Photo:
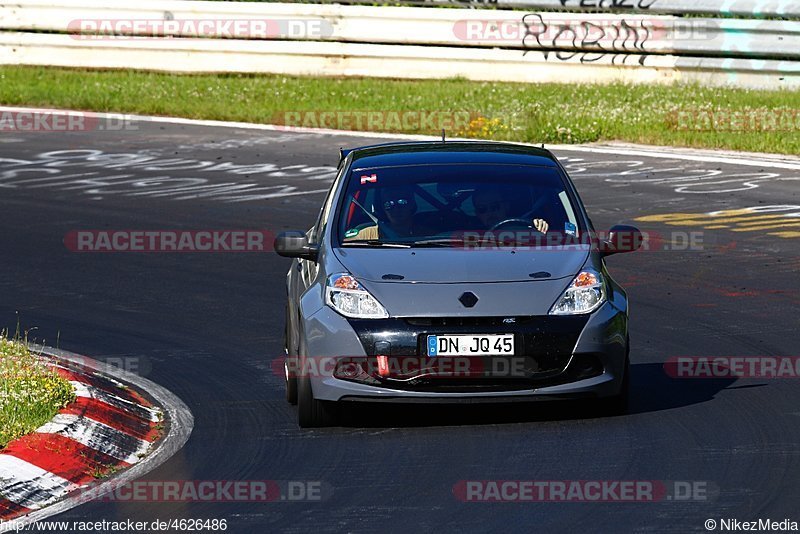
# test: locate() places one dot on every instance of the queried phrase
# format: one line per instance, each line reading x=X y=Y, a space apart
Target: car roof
x=449 y=152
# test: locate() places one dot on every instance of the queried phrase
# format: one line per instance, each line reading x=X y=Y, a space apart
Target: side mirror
x=621 y=238
x=294 y=244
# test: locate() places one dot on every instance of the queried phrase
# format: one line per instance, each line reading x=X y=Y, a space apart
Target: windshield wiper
x=375 y=243
x=439 y=242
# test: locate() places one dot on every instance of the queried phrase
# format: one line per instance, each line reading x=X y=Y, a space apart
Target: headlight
x=585 y=294
x=344 y=294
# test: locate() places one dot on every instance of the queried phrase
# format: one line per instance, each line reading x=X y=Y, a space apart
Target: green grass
x=30 y=392
x=549 y=113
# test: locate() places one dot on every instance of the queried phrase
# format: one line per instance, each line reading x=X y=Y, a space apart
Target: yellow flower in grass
x=483 y=128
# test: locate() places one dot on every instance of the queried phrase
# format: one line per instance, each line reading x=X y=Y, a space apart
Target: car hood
x=435 y=280
x=453 y=266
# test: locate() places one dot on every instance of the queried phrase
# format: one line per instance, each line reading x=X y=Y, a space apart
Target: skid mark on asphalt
x=681 y=176
x=149 y=175
x=780 y=220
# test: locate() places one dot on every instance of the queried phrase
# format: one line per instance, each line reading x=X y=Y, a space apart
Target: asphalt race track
x=208 y=326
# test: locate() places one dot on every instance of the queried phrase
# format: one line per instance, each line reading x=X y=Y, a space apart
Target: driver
x=491 y=208
x=399 y=206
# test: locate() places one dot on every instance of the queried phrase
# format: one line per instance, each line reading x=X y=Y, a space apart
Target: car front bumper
x=557 y=358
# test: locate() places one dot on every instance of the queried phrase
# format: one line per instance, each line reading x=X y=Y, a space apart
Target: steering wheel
x=525 y=222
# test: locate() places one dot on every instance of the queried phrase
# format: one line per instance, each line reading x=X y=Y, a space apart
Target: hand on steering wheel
x=541 y=225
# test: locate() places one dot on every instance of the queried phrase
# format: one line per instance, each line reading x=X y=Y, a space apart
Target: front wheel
x=619 y=404
x=290 y=381
x=311 y=412
x=289 y=364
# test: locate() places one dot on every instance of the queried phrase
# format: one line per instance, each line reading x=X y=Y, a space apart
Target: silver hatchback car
x=453 y=272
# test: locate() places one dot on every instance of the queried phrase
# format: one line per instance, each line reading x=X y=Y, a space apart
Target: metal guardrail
x=406 y=42
x=743 y=8
x=564 y=34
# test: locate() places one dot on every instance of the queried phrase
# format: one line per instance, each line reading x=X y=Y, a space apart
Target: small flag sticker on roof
x=369 y=179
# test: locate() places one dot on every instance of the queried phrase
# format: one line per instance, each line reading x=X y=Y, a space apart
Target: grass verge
x=30 y=392
x=676 y=115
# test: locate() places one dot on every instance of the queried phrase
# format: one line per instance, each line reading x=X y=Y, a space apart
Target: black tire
x=290 y=381
x=313 y=413
x=619 y=404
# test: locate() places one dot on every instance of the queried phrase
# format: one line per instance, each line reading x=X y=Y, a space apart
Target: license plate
x=471 y=345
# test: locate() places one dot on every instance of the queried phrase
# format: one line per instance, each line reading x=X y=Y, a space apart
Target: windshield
x=450 y=205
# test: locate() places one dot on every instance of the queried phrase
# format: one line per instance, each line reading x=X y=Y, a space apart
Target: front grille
x=543 y=344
